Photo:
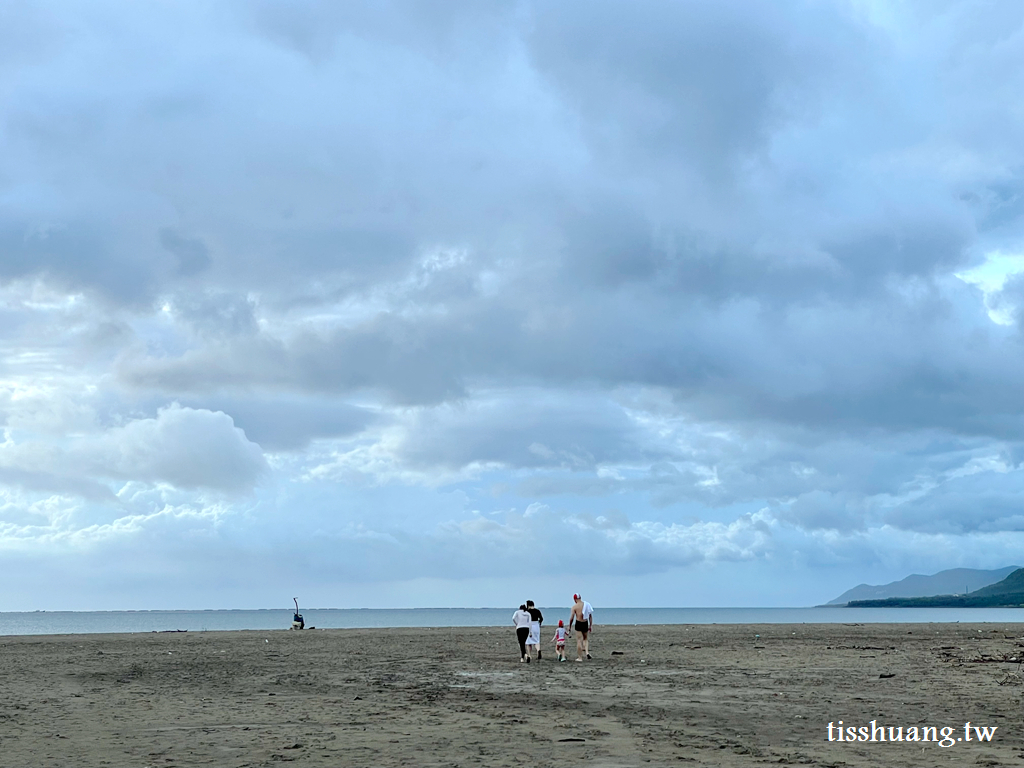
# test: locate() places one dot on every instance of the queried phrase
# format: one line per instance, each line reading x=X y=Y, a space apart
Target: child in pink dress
x=559 y=641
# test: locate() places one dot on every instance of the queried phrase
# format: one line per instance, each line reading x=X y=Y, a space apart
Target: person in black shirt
x=536 y=619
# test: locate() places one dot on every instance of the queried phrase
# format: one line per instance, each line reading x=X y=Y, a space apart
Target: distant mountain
x=952 y=582
x=1006 y=593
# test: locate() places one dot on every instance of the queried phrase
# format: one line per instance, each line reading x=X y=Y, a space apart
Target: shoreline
x=881 y=626
x=141 y=622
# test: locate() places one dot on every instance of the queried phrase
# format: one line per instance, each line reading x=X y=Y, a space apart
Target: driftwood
x=984 y=658
x=1012 y=678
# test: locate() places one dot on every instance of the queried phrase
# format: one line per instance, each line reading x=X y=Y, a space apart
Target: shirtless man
x=582 y=620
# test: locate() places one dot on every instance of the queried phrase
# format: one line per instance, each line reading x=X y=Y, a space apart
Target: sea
x=91 y=622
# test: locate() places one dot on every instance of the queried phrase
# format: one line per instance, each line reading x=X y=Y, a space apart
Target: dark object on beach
x=164 y=631
x=572 y=739
x=617 y=653
x=886 y=674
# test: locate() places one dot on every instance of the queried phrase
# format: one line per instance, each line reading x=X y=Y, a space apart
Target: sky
x=455 y=304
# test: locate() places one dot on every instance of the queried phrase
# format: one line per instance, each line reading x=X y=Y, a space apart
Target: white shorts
x=534 y=638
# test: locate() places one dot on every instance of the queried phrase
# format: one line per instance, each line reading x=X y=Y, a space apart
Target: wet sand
x=677 y=695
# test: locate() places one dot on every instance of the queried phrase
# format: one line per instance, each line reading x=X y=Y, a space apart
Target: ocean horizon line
x=427 y=608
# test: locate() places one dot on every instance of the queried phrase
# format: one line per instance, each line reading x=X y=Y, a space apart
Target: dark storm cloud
x=73 y=256
x=908 y=363
x=380 y=357
x=697 y=84
x=289 y=424
x=985 y=502
x=216 y=315
x=192 y=254
x=529 y=429
x=631 y=288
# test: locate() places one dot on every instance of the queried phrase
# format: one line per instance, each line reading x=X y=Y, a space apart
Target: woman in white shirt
x=521 y=619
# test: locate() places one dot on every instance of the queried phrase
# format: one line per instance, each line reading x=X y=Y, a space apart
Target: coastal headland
x=703 y=695
x=1007 y=593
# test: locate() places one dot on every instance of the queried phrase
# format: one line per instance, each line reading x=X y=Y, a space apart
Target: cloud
x=985 y=501
x=290 y=424
x=183 y=447
x=525 y=428
x=682 y=261
x=192 y=254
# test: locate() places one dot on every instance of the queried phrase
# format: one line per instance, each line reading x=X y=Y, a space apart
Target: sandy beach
x=704 y=695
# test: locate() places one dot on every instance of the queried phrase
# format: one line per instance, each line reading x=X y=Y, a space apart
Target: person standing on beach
x=522 y=619
x=582 y=620
x=559 y=641
x=536 y=619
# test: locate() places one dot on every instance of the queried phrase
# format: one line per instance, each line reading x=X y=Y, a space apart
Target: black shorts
x=583 y=626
